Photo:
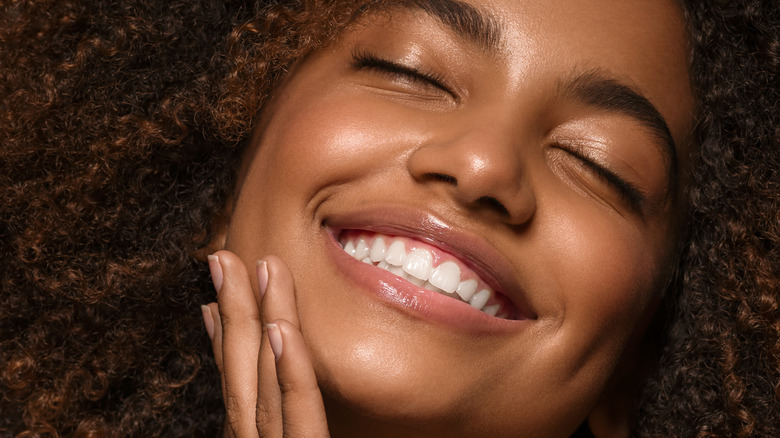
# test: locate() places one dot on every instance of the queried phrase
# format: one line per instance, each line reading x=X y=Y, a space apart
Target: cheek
x=301 y=149
x=606 y=274
x=327 y=139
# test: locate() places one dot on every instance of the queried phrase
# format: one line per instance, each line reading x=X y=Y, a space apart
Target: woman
x=523 y=143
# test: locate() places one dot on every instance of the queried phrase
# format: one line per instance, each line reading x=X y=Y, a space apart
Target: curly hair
x=719 y=375
x=122 y=125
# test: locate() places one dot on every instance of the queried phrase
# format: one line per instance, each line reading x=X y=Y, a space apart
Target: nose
x=481 y=170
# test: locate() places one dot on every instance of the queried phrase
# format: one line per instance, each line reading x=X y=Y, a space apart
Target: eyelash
x=629 y=193
x=369 y=61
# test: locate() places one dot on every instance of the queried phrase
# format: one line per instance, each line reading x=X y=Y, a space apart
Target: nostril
x=494 y=204
x=486 y=202
x=443 y=178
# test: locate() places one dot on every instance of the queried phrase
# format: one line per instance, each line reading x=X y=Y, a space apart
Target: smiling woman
x=462 y=218
x=486 y=158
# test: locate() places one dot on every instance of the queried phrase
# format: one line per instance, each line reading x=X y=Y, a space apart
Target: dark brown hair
x=121 y=127
x=719 y=374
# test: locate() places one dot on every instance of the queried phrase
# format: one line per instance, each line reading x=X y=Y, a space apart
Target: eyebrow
x=597 y=89
x=464 y=20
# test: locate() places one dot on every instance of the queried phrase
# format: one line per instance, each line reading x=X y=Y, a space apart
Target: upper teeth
x=417 y=267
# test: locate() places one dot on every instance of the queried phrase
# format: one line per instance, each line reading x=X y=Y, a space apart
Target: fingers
x=278 y=302
x=236 y=341
x=213 y=325
x=276 y=299
x=303 y=412
x=289 y=401
x=268 y=381
x=269 y=397
x=214 y=329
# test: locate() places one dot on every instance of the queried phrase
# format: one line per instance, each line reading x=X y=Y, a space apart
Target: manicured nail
x=275 y=338
x=216 y=271
x=208 y=320
x=262 y=276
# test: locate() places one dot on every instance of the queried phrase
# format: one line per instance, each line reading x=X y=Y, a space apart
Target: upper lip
x=472 y=249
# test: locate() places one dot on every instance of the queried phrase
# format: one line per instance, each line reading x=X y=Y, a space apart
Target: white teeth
x=466 y=289
x=397 y=270
x=415 y=281
x=479 y=299
x=491 y=310
x=361 y=250
x=446 y=277
x=431 y=287
x=419 y=264
x=378 y=248
x=396 y=254
x=417 y=268
x=349 y=248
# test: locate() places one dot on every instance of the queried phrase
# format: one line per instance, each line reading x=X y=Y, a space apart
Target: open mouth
x=427 y=267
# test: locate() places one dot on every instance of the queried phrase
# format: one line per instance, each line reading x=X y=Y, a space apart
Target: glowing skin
x=503 y=156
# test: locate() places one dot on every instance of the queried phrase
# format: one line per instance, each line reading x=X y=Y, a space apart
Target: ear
x=219 y=232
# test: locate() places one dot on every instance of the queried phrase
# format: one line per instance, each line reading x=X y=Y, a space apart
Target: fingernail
x=216 y=271
x=262 y=276
x=275 y=338
x=208 y=320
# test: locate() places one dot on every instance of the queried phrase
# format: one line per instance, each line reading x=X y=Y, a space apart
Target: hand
x=268 y=382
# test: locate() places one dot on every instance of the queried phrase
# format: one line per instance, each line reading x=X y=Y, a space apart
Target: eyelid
x=632 y=195
x=365 y=60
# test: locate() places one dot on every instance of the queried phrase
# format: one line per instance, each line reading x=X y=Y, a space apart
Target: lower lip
x=415 y=301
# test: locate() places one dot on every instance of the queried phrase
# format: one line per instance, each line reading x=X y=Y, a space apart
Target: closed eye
x=368 y=61
x=628 y=193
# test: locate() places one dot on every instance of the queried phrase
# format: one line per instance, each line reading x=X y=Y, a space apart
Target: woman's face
x=530 y=147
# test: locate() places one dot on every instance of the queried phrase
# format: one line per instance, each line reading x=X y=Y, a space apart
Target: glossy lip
x=472 y=250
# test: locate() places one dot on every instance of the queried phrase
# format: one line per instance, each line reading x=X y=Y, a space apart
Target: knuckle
x=232 y=408
x=296 y=388
x=263 y=419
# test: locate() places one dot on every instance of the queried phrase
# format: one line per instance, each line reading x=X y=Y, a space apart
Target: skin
x=495 y=154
